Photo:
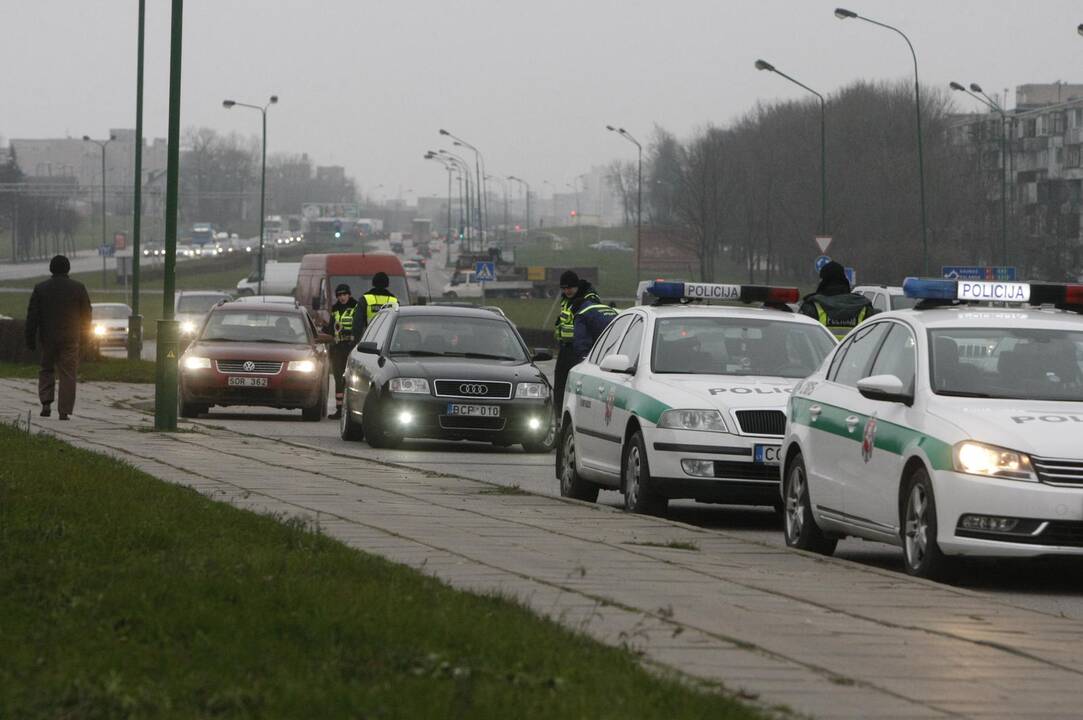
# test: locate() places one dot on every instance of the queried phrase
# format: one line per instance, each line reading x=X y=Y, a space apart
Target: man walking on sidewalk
x=58 y=316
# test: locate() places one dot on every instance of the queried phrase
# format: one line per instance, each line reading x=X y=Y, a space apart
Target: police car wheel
x=347 y=429
x=921 y=552
x=638 y=495
x=571 y=485
x=801 y=529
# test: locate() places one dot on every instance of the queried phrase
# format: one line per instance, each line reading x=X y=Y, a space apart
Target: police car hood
x=726 y=392
x=1041 y=428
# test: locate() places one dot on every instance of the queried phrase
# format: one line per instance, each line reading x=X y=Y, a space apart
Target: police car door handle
x=851 y=422
x=814 y=412
x=601 y=389
x=578 y=386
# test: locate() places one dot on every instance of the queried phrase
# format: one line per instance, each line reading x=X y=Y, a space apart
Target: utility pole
x=101 y=249
x=135 y=320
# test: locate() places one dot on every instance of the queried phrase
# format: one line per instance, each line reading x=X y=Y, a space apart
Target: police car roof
x=984 y=316
x=750 y=312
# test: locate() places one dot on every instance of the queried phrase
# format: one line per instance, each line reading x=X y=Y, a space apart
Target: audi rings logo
x=473 y=389
x=249 y=366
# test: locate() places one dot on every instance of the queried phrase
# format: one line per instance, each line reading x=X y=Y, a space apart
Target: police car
x=683 y=399
x=951 y=429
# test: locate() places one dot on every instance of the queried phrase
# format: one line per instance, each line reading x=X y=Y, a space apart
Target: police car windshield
x=360 y=284
x=233 y=326
x=198 y=303
x=1015 y=363
x=738 y=346
x=448 y=336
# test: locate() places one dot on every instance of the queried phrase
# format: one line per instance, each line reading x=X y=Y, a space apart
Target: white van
x=279 y=278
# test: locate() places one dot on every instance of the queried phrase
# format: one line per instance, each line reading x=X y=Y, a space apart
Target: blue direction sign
x=996 y=273
x=821 y=261
x=485 y=271
x=851 y=276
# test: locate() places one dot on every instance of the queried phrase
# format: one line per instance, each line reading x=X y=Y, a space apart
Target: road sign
x=485 y=271
x=821 y=261
x=992 y=273
x=851 y=276
x=823 y=242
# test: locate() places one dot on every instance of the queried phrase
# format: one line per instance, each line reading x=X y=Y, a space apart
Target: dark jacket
x=590 y=318
x=838 y=312
x=59 y=312
x=358 y=320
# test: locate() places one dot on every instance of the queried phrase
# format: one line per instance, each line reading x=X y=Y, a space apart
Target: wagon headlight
x=301 y=366
x=414 y=386
x=704 y=420
x=975 y=458
x=535 y=391
x=187 y=327
x=193 y=362
x=99 y=330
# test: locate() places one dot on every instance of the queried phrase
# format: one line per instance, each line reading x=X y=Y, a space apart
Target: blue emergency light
x=680 y=290
x=987 y=291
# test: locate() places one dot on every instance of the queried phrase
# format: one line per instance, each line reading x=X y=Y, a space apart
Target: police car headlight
x=197 y=363
x=976 y=458
x=704 y=420
x=187 y=327
x=534 y=391
x=415 y=386
x=99 y=330
x=301 y=366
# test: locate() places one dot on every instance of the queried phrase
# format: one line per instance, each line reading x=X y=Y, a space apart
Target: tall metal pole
x=227 y=104
x=135 y=321
x=526 y=185
x=165 y=392
x=639 y=191
x=103 y=216
x=479 y=188
x=844 y=14
x=988 y=102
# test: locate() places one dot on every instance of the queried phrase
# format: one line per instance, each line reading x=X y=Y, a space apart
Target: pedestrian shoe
x=46 y=411
x=336 y=415
x=63 y=416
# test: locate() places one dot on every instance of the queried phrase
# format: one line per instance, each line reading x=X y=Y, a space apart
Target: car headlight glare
x=703 y=420
x=975 y=458
x=532 y=390
x=99 y=329
x=301 y=366
x=193 y=362
x=187 y=327
x=415 y=386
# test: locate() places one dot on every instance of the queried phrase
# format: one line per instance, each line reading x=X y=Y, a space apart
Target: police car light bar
x=985 y=291
x=678 y=290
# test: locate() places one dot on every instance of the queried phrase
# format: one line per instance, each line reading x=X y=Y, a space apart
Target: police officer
x=574 y=292
x=344 y=321
x=591 y=318
x=378 y=297
x=833 y=304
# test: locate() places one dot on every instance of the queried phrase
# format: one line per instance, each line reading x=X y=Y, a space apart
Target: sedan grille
x=454 y=422
x=762 y=422
x=745 y=471
x=488 y=389
x=1059 y=472
x=249 y=367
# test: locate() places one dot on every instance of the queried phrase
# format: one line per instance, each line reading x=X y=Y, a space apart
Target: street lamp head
x=1080 y=29
x=610 y=128
x=274 y=99
x=112 y=137
x=956 y=86
x=227 y=104
x=843 y=13
x=444 y=132
x=975 y=87
x=764 y=65
x=457 y=144
x=86 y=137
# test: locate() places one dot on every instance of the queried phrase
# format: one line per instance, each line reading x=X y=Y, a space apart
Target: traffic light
x=572 y=213
x=338 y=229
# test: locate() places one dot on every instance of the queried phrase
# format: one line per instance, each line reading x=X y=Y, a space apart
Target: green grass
x=128 y=597
x=104 y=370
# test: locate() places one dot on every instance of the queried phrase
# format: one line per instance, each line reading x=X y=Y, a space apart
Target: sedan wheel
x=571 y=485
x=801 y=528
x=920 y=549
x=347 y=428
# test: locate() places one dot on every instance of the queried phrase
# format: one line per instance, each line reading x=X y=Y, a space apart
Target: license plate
x=473 y=410
x=767 y=454
x=246 y=382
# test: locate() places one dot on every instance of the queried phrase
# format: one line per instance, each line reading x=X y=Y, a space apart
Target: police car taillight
x=986 y=291
x=677 y=290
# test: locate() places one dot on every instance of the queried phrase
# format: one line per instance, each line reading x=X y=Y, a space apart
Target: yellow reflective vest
x=374 y=303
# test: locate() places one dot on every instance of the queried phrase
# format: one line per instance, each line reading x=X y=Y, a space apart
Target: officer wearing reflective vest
x=833 y=304
x=574 y=292
x=591 y=318
x=378 y=297
x=345 y=326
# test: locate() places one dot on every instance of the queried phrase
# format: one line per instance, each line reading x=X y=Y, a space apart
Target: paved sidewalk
x=823 y=637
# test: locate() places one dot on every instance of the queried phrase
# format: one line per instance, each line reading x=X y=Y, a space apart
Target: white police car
x=951 y=429
x=683 y=400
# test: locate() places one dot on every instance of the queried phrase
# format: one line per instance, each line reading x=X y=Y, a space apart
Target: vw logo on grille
x=249 y=366
x=473 y=389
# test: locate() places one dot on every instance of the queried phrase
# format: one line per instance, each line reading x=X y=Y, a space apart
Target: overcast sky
x=368 y=84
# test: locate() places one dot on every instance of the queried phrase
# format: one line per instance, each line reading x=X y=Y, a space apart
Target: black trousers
x=340 y=353
x=565 y=362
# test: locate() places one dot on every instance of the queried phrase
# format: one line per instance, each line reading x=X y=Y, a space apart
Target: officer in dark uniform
x=833 y=304
x=575 y=292
x=377 y=298
x=591 y=318
x=344 y=320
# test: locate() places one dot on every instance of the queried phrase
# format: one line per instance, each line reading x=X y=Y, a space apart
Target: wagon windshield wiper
x=482 y=356
x=417 y=353
x=963 y=393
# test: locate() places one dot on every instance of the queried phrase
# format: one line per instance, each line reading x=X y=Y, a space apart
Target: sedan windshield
x=1007 y=363
x=738 y=346
x=232 y=326
x=109 y=312
x=449 y=336
x=192 y=304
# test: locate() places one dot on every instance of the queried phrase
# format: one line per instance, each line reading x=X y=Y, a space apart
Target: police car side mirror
x=617 y=364
x=884 y=387
x=541 y=355
x=369 y=348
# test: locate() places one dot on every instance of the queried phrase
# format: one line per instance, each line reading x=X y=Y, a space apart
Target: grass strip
x=125 y=597
x=104 y=370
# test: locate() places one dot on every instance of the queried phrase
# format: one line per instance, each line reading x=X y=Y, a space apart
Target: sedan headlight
x=531 y=390
x=704 y=420
x=301 y=366
x=975 y=458
x=99 y=329
x=187 y=327
x=193 y=362
x=415 y=386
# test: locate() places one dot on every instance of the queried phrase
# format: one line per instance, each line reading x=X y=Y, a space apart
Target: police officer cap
x=568 y=279
x=59 y=265
x=380 y=280
x=342 y=288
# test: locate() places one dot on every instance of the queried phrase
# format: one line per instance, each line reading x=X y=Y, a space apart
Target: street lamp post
x=135 y=320
x=526 y=185
x=984 y=99
x=479 y=188
x=764 y=65
x=504 y=183
x=449 y=168
x=844 y=14
x=228 y=104
x=102 y=144
x=578 y=230
x=639 y=191
x=464 y=169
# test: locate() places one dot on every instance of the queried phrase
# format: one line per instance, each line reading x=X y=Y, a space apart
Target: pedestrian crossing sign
x=485 y=271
